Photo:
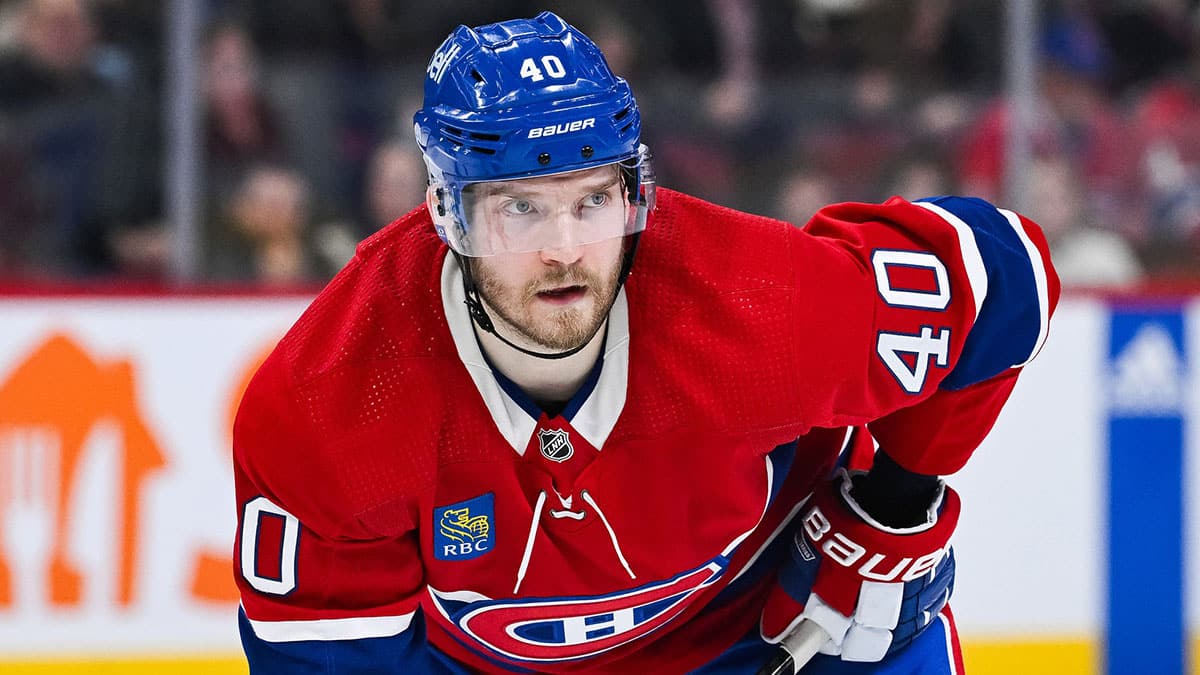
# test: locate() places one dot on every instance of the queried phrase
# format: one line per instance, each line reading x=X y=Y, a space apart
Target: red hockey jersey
x=397 y=496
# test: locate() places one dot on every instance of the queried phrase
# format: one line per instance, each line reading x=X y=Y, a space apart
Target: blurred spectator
x=941 y=118
x=133 y=29
x=1167 y=122
x=380 y=31
x=731 y=97
x=1074 y=119
x=19 y=212
x=916 y=175
x=803 y=193
x=1168 y=113
x=871 y=97
x=395 y=183
x=1147 y=38
x=264 y=233
x=613 y=34
x=53 y=56
x=241 y=128
x=129 y=50
x=943 y=43
x=61 y=101
x=142 y=252
x=869 y=134
x=1084 y=253
x=951 y=43
x=696 y=75
x=336 y=68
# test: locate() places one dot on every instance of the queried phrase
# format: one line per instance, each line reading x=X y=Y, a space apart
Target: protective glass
x=555 y=211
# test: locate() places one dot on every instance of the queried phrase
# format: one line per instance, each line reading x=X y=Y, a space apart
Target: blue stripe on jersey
x=514 y=392
x=585 y=390
x=408 y=652
x=1006 y=330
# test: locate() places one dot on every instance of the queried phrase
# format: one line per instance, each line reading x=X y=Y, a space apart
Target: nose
x=565 y=248
x=562 y=255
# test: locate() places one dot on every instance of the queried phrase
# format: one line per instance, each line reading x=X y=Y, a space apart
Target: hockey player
x=558 y=419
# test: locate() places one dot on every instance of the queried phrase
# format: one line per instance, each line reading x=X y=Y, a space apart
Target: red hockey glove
x=872 y=588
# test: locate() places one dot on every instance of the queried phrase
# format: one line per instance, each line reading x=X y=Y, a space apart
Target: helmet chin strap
x=480 y=316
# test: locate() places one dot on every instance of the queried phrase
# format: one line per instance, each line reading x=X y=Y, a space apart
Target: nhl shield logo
x=555 y=445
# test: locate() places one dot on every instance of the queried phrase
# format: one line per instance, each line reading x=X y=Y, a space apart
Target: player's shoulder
x=678 y=214
x=711 y=263
x=384 y=304
x=710 y=310
x=710 y=247
x=321 y=418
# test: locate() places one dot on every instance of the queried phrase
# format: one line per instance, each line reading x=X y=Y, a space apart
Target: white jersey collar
x=596 y=417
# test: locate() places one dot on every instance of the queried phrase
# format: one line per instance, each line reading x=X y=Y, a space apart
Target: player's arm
x=1013 y=293
x=908 y=315
x=960 y=295
x=324 y=590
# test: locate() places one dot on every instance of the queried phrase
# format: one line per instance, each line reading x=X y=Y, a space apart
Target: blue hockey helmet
x=521 y=99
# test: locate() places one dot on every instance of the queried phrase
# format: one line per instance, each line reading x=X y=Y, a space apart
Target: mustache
x=566 y=276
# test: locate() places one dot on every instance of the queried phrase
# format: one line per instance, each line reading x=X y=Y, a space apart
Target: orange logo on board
x=50 y=407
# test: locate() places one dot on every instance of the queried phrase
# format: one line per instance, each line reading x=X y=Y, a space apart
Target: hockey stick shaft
x=796 y=650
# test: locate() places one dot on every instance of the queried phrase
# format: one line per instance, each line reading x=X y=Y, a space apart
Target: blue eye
x=597 y=199
x=518 y=207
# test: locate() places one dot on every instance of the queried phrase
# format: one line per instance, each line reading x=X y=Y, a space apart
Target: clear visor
x=558 y=211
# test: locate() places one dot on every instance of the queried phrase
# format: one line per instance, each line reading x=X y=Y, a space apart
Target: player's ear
x=436 y=203
x=431 y=200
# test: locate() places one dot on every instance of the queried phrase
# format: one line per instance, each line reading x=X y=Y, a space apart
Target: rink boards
x=116 y=502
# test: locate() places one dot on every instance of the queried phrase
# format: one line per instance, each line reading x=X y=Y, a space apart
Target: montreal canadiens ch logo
x=555 y=629
x=555 y=444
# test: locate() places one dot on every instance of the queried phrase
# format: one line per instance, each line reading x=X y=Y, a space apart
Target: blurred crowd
x=771 y=106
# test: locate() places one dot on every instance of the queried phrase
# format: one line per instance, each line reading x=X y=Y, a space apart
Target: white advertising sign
x=117 y=510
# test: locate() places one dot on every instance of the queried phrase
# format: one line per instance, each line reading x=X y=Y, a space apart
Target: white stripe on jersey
x=969 y=248
x=950 y=661
x=766 y=505
x=353 y=628
x=1039 y=278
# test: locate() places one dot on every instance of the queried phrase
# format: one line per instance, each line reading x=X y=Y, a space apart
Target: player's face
x=557 y=296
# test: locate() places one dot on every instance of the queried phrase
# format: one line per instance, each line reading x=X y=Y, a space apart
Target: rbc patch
x=464 y=530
